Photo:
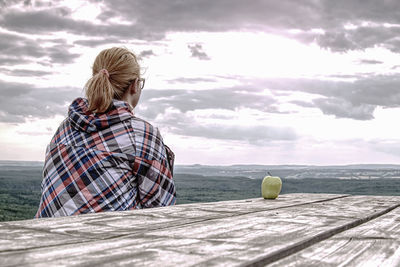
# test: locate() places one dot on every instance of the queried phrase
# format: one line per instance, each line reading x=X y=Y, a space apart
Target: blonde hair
x=113 y=71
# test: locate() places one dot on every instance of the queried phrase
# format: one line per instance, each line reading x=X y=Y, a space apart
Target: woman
x=102 y=157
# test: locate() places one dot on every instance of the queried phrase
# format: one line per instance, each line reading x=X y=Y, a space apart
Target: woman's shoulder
x=146 y=128
x=149 y=142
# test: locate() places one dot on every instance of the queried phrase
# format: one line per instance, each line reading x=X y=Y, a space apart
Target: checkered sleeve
x=153 y=167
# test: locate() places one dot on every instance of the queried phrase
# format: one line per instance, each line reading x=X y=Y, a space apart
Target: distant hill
x=243 y=167
x=20 y=163
x=356 y=171
x=280 y=167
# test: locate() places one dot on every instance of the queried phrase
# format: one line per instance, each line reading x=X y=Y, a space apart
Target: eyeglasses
x=141 y=82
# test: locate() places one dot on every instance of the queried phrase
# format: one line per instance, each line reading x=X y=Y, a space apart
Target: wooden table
x=293 y=230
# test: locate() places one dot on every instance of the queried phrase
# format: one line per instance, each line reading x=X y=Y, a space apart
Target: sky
x=227 y=82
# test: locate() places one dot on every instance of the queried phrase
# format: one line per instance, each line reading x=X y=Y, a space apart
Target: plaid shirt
x=105 y=162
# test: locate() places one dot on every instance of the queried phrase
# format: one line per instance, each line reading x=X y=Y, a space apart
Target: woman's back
x=105 y=161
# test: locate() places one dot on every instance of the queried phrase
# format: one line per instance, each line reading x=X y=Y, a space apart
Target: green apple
x=271 y=187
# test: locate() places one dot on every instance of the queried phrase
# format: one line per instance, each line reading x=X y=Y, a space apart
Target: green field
x=20 y=189
x=195 y=188
x=19 y=192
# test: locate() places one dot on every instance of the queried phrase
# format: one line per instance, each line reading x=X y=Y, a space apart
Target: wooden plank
x=260 y=204
x=232 y=240
x=74 y=229
x=375 y=243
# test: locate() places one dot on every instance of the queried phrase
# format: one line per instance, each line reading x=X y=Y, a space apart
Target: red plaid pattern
x=105 y=162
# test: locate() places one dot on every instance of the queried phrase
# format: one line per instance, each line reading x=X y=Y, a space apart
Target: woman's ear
x=133 y=87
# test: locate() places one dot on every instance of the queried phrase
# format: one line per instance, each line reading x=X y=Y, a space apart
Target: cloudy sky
x=227 y=81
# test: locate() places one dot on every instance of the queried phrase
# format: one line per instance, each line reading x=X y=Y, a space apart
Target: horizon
x=266 y=82
x=234 y=165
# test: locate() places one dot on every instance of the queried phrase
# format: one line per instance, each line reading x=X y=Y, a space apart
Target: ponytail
x=99 y=92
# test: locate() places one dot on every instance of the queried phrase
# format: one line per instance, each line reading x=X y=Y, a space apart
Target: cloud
x=197 y=51
x=7 y=3
x=52 y=20
x=24 y=72
x=303 y=104
x=355 y=100
x=186 y=124
x=251 y=134
x=376 y=90
x=6 y=60
x=177 y=109
x=38 y=21
x=154 y=102
x=146 y=53
x=337 y=42
x=191 y=80
x=343 y=109
x=35 y=133
x=150 y=21
x=370 y=61
x=19 y=101
x=15 y=49
x=391 y=147
x=273 y=17
x=60 y=54
x=341 y=39
x=214 y=16
x=97 y=42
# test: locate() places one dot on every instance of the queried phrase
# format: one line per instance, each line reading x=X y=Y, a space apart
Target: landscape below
x=20 y=183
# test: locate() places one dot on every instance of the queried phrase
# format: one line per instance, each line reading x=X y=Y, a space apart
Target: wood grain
x=229 y=233
x=376 y=242
x=74 y=229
